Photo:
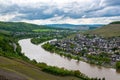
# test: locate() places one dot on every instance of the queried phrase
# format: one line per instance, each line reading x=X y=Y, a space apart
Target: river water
x=40 y=55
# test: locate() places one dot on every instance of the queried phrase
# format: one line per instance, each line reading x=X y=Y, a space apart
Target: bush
x=118 y=65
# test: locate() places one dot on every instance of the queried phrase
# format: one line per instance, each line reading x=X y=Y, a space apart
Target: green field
x=43 y=30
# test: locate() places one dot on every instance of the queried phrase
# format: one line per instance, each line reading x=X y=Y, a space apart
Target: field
x=43 y=30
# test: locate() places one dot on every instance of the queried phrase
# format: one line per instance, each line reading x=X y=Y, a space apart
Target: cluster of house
x=91 y=44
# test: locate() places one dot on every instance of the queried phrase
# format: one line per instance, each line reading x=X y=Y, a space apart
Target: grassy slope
x=13 y=69
x=110 y=30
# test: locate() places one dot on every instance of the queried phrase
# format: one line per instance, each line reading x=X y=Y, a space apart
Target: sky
x=60 y=11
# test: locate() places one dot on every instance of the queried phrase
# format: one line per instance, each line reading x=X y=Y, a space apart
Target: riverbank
x=55 y=60
x=60 y=52
x=101 y=60
x=14 y=65
x=92 y=48
x=40 y=40
x=59 y=71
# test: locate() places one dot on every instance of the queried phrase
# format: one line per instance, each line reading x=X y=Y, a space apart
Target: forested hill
x=19 y=26
x=110 y=30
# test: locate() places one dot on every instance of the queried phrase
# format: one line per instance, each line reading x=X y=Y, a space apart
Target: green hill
x=19 y=26
x=110 y=30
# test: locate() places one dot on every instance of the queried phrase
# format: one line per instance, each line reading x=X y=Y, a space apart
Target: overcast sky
x=60 y=11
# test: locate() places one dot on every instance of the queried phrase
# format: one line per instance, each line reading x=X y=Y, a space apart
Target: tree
x=103 y=78
x=118 y=65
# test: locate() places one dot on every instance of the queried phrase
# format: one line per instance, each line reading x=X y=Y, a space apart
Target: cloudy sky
x=60 y=11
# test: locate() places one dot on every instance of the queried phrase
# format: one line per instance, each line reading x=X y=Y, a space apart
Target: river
x=40 y=55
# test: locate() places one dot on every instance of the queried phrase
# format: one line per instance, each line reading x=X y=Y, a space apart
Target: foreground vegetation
x=17 y=69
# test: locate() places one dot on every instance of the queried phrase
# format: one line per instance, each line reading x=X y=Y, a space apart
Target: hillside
x=19 y=26
x=110 y=30
x=16 y=69
x=75 y=27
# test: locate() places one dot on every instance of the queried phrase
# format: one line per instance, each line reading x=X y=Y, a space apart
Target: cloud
x=42 y=10
x=110 y=11
x=62 y=20
x=10 y=16
x=110 y=2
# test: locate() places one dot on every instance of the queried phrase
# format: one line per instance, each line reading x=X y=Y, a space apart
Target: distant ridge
x=75 y=26
x=110 y=30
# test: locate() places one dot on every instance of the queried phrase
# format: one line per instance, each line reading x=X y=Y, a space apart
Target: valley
x=75 y=45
